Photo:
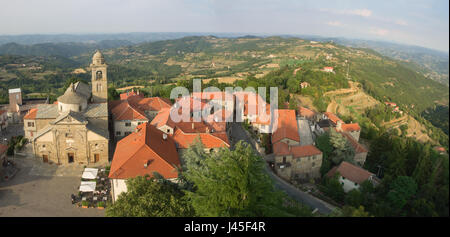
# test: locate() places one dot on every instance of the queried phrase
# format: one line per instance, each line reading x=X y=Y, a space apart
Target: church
x=75 y=128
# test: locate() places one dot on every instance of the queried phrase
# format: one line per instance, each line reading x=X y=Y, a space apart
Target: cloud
x=334 y=23
x=356 y=12
x=360 y=12
x=379 y=32
x=401 y=22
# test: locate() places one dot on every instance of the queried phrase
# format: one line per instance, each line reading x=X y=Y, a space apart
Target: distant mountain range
x=432 y=63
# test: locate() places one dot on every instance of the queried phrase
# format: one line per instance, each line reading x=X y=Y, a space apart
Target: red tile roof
x=302 y=111
x=356 y=146
x=134 y=107
x=3 y=149
x=125 y=95
x=282 y=149
x=31 y=114
x=209 y=140
x=333 y=118
x=350 y=127
x=351 y=172
x=286 y=126
x=145 y=146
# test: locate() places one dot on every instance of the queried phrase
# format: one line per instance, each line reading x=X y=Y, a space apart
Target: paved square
x=41 y=190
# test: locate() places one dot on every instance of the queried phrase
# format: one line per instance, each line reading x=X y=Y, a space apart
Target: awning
x=90 y=173
x=87 y=186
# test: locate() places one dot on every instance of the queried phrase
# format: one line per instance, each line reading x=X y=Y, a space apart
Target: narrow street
x=239 y=134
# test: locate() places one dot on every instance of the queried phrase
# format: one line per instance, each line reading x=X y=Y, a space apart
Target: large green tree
x=232 y=183
x=150 y=197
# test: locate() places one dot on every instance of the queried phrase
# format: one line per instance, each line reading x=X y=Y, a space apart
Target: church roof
x=76 y=115
x=96 y=110
x=47 y=111
x=72 y=96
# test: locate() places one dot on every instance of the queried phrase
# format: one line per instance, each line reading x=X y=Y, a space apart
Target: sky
x=416 y=22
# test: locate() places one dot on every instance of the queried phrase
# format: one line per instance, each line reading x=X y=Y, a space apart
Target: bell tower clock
x=99 y=78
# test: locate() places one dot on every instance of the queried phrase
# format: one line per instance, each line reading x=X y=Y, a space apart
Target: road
x=238 y=133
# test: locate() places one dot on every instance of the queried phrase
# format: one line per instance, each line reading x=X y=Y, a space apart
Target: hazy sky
x=424 y=23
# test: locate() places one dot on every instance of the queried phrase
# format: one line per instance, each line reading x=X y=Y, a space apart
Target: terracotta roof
x=350 y=127
x=333 y=118
x=356 y=146
x=302 y=111
x=134 y=107
x=3 y=149
x=287 y=126
x=146 y=146
x=151 y=103
x=281 y=148
x=209 y=140
x=31 y=114
x=351 y=172
x=163 y=118
x=125 y=95
x=124 y=111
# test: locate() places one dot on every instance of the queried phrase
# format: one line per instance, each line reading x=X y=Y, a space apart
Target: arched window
x=99 y=87
x=98 y=75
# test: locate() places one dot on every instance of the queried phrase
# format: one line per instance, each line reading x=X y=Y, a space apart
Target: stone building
x=294 y=157
x=75 y=128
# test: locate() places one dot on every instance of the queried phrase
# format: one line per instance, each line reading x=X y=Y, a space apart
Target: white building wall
x=119 y=126
x=118 y=186
x=348 y=185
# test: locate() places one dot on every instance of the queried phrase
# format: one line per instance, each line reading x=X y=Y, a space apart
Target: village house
x=294 y=158
x=132 y=110
x=19 y=106
x=328 y=69
x=75 y=129
x=212 y=132
x=352 y=176
x=146 y=151
x=350 y=131
x=304 y=85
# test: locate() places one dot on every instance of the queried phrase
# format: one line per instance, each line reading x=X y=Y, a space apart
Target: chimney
x=193 y=126
x=207 y=130
x=146 y=164
x=164 y=136
x=339 y=125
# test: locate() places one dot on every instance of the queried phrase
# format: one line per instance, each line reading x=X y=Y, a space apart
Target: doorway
x=71 y=157
x=96 y=158
x=45 y=158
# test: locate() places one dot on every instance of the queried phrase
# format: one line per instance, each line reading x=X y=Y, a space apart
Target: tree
x=354 y=198
x=150 y=197
x=324 y=145
x=230 y=183
x=401 y=190
x=349 y=211
x=333 y=188
x=342 y=148
x=113 y=94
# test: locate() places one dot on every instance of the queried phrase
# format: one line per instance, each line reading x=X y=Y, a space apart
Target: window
x=284 y=159
x=99 y=75
x=118 y=133
x=30 y=124
x=127 y=133
x=313 y=164
x=168 y=130
x=127 y=124
x=79 y=108
x=69 y=135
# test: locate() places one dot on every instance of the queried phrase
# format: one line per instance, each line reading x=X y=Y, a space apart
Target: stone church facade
x=75 y=128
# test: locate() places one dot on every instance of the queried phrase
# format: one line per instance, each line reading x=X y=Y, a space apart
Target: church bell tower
x=99 y=78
